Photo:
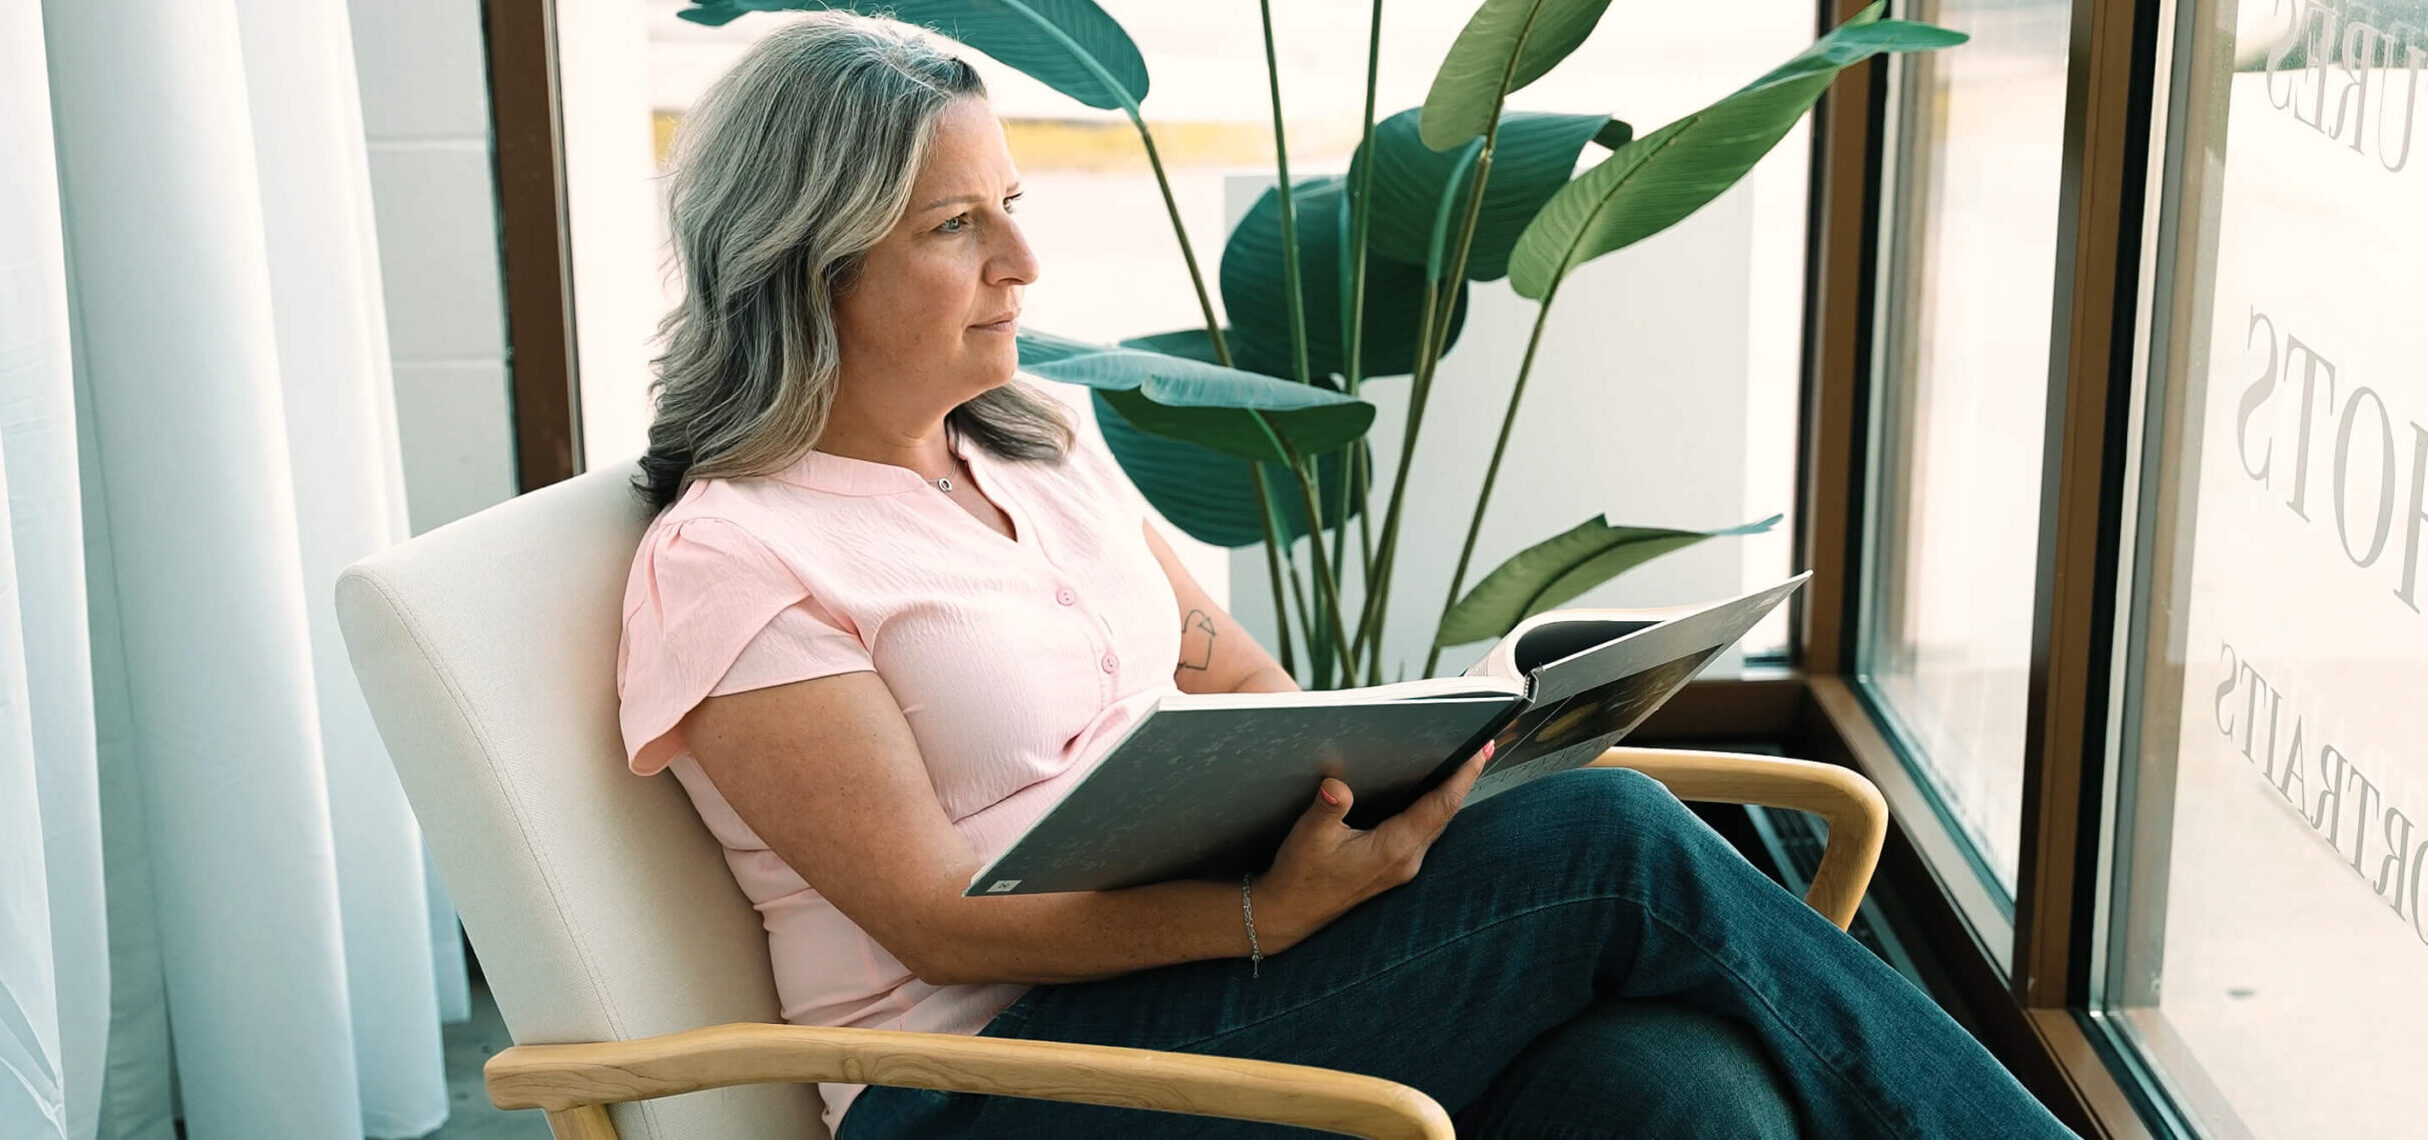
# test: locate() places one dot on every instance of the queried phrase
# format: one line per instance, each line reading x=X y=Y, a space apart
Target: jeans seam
x=1862 y=1096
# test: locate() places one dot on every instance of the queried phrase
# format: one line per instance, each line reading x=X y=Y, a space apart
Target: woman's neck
x=918 y=441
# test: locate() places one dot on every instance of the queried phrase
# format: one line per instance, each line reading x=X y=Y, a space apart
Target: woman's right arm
x=826 y=771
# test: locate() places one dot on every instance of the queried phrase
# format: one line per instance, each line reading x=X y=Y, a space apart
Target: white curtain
x=212 y=896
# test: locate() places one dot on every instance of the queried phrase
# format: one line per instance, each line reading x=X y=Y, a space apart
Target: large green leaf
x=1506 y=45
x=1072 y=46
x=1241 y=414
x=1551 y=572
x=1656 y=180
x=1209 y=495
x=1532 y=158
x=1254 y=293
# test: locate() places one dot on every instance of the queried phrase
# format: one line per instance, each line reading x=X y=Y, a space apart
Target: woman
x=890 y=605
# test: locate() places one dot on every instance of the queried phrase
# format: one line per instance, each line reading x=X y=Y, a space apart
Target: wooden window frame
x=527 y=129
x=2032 y=1015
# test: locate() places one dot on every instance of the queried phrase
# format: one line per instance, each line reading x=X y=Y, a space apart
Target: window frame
x=535 y=248
x=2036 y=1012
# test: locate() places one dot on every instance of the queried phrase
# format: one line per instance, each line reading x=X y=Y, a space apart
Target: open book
x=1206 y=785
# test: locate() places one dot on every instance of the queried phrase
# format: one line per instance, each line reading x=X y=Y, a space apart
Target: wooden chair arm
x=574 y=1082
x=1857 y=816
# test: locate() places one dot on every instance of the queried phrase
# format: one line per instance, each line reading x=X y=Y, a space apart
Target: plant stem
x=1289 y=220
x=1431 y=357
x=1281 y=601
x=1298 y=601
x=1492 y=471
x=1316 y=658
x=1433 y=339
x=1327 y=602
x=1370 y=619
x=1188 y=253
x=1327 y=599
x=1340 y=518
x=1361 y=219
x=1359 y=461
x=1362 y=215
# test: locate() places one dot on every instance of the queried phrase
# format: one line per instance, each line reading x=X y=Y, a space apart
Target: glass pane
x=1686 y=348
x=2269 y=955
x=1970 y=234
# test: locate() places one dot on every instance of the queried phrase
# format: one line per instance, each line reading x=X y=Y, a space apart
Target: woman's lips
x=1009 y=324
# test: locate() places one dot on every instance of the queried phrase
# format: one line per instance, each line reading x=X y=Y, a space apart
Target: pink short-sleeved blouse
x=1013 y=658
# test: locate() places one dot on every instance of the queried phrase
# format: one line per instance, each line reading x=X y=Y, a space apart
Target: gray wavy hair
x=786 y=172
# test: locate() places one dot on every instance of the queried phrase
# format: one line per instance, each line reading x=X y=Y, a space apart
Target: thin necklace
x=945 y=484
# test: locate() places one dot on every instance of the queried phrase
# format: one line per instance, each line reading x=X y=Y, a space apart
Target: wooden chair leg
x=583 y=1122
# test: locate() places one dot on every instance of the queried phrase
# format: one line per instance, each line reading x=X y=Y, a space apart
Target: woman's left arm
x=1216 y=655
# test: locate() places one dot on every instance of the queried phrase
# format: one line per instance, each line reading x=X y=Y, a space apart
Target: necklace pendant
x=945 y=484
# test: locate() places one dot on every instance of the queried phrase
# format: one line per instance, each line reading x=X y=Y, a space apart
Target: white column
x=349 y=502
x=45 y=652
x=165 y=230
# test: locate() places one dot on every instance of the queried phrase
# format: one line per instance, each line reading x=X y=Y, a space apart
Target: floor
x=470 y=1115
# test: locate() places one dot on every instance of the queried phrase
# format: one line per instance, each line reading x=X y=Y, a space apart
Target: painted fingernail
x=1488 y=749
x=1326 y=793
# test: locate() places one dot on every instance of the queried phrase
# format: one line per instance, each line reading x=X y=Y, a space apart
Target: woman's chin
x=995 y=365
x=993 y=374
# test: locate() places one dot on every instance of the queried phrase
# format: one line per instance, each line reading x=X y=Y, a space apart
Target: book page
x=1569 y=732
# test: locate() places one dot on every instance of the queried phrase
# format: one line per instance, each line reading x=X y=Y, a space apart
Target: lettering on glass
x=2354 y=467
x=2325 y=788
x=2352 y=71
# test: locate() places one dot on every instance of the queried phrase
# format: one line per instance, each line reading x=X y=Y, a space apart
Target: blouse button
x=1110 y=664
x=1066 y=596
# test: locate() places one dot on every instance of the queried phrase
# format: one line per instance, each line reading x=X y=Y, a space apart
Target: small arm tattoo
x=1197 y=641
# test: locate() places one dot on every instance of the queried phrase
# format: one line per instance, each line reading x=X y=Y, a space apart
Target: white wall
x=425 y=91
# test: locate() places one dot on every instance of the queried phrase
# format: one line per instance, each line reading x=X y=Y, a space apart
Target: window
x=1969 y=225
x=2266 y=949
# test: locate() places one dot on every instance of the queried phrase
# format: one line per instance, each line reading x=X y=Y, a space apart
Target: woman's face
x=936 y=303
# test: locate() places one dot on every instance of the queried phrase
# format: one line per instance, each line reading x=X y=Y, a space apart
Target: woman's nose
x=1014 y=263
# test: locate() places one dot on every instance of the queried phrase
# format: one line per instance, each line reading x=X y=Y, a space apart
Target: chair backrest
x=599 y=904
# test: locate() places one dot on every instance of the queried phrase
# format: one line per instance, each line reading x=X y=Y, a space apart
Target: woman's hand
x=1326 y=867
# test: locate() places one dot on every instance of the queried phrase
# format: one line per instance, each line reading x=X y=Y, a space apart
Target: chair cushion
x=601 y=908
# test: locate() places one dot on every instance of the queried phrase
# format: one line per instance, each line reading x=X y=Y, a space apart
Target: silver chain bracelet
x=1247 y=914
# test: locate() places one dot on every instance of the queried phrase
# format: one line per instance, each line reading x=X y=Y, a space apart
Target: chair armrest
x=569 y=1079
x=1857 y=816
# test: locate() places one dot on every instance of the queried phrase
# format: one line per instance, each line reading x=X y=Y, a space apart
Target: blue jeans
x=1580 y=957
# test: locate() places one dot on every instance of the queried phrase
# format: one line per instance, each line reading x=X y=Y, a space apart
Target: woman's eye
x=961 y=221
x=1010 y=205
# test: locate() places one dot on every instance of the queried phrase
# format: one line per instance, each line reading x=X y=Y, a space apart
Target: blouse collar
x=844 y=475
